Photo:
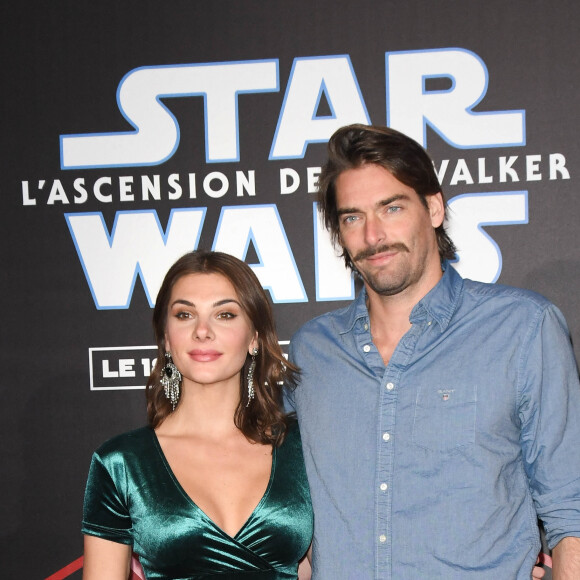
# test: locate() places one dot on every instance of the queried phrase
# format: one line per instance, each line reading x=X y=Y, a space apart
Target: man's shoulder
x=331 y=321
x=504 y=295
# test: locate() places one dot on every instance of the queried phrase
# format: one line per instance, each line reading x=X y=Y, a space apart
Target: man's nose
x=374 y=231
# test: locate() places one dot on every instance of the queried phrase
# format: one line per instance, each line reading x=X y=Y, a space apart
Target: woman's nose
x=203 y=329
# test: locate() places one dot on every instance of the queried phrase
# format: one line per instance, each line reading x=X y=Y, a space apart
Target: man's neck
x=389 y=315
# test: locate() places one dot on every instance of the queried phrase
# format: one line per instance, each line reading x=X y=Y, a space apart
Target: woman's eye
x=226 y=315
x=183 y=315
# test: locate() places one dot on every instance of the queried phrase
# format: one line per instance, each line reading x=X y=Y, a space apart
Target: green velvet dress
x=133 y=497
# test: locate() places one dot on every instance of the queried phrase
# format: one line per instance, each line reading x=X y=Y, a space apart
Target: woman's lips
x=204 y=355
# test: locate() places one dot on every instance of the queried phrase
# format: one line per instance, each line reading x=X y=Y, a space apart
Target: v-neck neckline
x=190 y=500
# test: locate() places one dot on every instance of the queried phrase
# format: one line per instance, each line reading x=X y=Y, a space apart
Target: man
x=439 y=416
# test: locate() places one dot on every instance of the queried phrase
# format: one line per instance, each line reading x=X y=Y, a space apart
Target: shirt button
x=366 y=326
x=390 y=386
x=383 y=486
x=386 y=436
x=382 y=538
x=366 y=348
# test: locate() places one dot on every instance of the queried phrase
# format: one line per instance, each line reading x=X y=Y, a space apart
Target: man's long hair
x=354 y=146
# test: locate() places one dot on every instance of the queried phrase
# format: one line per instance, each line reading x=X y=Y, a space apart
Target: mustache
x=368 y=252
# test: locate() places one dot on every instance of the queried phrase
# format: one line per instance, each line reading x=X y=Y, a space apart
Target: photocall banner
x=134 y=132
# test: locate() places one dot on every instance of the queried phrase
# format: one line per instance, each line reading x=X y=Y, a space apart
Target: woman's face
x=208 y=333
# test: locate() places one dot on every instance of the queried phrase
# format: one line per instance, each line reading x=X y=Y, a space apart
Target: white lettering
x=505 y=169
x=245 y=183
x=192 y=188
x=558 y=166
x=175 y=190
x=156 y=135
x=289 y=180
x=57 y=193
x=147 y=365
x=150 y=187
x=79 y=185
x=482 y=177
x=411 y=106
x=313 y=173
x=97 y=190
x=334 y=280
x=126 y=367
x=461 y=173
x=479 y=255
x=26 y=199
x=442 y=170
x=261 y=225
x=125 y=183
x=215 y=176
x=137 y=246
x=299 y=123
x=108 y=374
x=532 y=167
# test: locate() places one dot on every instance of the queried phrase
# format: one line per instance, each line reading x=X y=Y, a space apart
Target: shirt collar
x=439 y=304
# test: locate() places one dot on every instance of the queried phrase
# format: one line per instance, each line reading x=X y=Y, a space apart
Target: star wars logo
x=139 y=245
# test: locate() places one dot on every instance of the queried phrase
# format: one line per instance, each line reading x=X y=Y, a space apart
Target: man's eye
x=349 y=219
x=393 y=208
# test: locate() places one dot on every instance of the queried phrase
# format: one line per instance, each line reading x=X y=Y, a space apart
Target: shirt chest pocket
x=445 y=417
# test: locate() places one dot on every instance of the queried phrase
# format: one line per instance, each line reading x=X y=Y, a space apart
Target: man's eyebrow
x=393 y=198
x=381 y=203
x=344 y=210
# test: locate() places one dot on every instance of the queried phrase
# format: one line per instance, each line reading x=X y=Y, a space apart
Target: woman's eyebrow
x=218 y=303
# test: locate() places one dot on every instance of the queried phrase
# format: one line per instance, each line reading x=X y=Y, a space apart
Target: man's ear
x=436 y=208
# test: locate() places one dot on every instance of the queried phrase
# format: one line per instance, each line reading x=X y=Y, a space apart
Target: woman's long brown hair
x=264 y=419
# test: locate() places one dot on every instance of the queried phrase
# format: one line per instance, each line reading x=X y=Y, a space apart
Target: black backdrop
x=68 y=354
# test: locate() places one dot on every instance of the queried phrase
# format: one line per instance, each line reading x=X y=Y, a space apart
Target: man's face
x=387 y=231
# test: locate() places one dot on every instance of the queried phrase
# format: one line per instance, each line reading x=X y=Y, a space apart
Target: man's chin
x=384 y=286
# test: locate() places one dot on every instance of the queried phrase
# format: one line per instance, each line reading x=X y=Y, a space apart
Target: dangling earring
x=171 y=381
x=251 y=376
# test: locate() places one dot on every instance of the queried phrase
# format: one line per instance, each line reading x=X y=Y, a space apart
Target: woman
x=216 y=483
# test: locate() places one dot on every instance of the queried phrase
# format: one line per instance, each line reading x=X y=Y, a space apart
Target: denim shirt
x=439 y=464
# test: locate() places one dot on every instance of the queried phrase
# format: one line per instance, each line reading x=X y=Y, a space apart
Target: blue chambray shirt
x=438 y=465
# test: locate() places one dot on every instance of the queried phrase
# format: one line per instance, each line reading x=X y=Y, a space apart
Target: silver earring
x=171 y=381
x=251 y=376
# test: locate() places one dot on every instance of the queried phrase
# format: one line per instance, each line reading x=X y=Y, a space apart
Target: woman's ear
x=254 y=343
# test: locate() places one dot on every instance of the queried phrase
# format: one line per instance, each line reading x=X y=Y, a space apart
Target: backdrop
x=134 y=131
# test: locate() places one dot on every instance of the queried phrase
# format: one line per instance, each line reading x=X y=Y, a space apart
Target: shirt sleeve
x=288 y=392
x=105 y=511
x=550 y=413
